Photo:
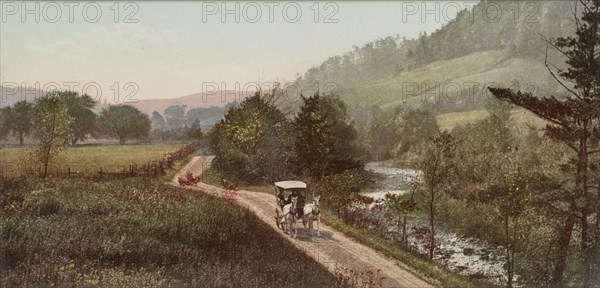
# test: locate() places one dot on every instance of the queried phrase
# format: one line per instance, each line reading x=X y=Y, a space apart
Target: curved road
x=330 y=249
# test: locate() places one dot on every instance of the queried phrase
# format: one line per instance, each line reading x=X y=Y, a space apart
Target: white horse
x=312 y=213
x=287 y=220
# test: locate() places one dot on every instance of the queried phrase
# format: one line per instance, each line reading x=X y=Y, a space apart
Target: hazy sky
x=175 y=47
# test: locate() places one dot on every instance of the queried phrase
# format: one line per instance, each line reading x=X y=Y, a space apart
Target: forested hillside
x=496 y=41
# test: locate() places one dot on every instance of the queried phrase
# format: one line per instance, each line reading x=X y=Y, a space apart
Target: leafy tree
x=339 y=191
x=157 y=120
x=175 y=116
x=416 y=126
x=4 y=122
x=438 y=167
x=509 y=185
x=195 y=132
x=252 y=142
x=403 y=206
x=21 y=119
x=158 y=124
x=325 y=142
x=52 y=128
x=124 y=122
x=482 y=143
x=384 y=133
x=79 y=109
x=571 y=121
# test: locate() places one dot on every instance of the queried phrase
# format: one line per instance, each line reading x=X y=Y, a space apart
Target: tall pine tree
x=325 y=142
x=573 y=120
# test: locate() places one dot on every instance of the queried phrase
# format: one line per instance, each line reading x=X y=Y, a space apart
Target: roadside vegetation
x=532 y=191
x=413 y=262
x=140 y=232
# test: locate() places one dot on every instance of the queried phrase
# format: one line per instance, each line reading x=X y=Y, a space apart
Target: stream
x=463 y=255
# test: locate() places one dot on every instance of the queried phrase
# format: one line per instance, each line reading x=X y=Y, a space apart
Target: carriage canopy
x=290 y=185
x=287 y=189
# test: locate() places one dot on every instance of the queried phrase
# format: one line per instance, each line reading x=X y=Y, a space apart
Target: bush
x=339 y=191
x=252 y=142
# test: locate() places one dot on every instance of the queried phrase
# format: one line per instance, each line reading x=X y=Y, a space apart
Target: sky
x=154 y=49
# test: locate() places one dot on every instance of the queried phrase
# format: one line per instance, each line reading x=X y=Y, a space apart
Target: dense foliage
x=325 y=142
x=184 y=123
x=124 y=122
x=574 y=120
x=257 y=143
x=79 y=109
x=253 y=141
x=19 y=119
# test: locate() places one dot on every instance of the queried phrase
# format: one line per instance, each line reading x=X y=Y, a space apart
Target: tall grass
x=144 y=233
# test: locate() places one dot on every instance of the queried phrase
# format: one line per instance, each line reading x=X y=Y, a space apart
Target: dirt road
x=329 y=249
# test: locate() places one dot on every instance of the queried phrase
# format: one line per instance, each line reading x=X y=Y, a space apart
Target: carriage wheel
x=277 y=218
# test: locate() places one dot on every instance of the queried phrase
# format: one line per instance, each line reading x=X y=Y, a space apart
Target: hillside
x=455 y=88
x=454 y=85
x=470 y=32
x=451 y=68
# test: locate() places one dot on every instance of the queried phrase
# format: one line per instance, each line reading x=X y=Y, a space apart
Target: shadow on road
x=303 y=234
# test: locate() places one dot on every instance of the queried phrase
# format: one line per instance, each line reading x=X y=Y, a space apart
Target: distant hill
x=196 y=100
x=9 y=96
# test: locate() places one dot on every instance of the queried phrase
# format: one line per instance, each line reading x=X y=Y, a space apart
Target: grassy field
x=137 y=232
x=143 y=233
x=521 y=118
x=458 y=84
x=450 y=81
x=15 y=160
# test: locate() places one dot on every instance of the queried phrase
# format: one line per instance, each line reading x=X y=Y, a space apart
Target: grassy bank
x=417 y=264
x=141 y=232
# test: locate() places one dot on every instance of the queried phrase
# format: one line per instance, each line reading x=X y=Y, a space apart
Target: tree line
x=121 y=122
x=180 y=122
x=62 y=118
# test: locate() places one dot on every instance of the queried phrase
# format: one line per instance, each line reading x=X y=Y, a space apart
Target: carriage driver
x=286 y=198
x=300 y=204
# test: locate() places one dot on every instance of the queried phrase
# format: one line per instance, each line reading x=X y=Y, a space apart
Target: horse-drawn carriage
x=291 y=198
